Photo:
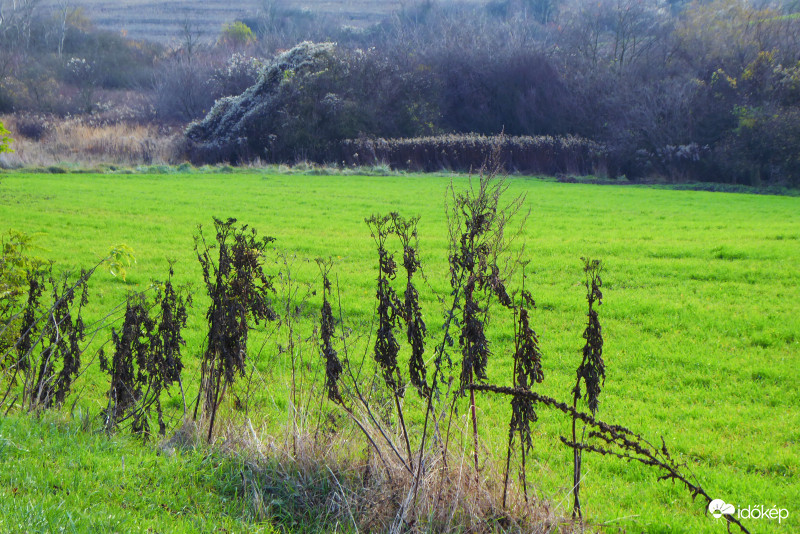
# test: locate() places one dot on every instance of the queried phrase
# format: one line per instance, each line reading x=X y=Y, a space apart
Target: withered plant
x=406 y=230
x=479 y=266
x=333 y=366
x=618 y=441
x=240 y=295
x=592 y=370
x=146 y=359
x=131 y=345
x=527 y=371
x=169 y=340
x=480 y=262
x=391 y=312
x=17 y=357
x=49 y=338
x=50 y=349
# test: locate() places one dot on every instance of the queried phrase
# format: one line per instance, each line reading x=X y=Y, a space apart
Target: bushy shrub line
x=462 y=152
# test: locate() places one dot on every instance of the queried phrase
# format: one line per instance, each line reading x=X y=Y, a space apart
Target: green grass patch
x=699 y=315
x=56 y=477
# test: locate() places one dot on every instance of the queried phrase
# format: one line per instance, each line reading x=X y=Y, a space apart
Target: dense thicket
x=708 y=90
x=54 y=61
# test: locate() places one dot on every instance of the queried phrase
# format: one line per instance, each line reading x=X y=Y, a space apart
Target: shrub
x=543 y=154
x=305 y=101
x=31 y=127
x=181 y=88
x=5 y=140
x=237 y=35
x=238 y=73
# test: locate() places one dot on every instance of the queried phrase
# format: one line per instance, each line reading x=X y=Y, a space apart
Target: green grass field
x=58 y=478
x=700 y=315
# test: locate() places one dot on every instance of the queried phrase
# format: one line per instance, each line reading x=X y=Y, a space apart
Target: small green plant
x=15 y=265
x=5 y=140
x=120 y=258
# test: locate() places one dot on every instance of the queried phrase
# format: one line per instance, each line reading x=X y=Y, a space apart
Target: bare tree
x=63 y=15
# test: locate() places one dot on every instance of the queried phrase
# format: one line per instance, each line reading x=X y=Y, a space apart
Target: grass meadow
x=89 y=483
x=700 y=321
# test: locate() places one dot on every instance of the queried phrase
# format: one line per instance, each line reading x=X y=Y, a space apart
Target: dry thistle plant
x=480 y=262
x=48 y=340
x=146 y=359
x=592 y=370
x=239 y=291
x=619 y=441
x=479 y=266
x=18 y=354
x=406 y=230
x=51 y=339
x=527 y=371
x=131 y=345
x=603 y=438
x=390 y=313
x=333 y=367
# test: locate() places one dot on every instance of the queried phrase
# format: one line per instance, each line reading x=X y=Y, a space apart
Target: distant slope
x=164 y=21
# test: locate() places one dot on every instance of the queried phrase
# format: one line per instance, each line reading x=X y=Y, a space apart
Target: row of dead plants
x=387 y=440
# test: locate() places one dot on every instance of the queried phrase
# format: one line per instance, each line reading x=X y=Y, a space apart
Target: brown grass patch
x=85 y=141
x=317 y=480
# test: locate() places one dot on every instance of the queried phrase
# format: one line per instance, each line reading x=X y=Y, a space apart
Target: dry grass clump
x=42 y=141
x=316 y=479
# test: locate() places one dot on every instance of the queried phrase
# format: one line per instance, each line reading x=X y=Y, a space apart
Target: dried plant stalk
x=592 y=370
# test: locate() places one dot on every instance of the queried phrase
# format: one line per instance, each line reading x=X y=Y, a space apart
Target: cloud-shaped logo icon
x=718 y=508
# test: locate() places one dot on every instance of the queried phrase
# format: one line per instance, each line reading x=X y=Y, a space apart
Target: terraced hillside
x=165 y=21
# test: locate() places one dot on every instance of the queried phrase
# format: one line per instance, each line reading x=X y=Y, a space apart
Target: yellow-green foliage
x=15 y=264
x=237 y=35
x=119 y=259
x=5 y=140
